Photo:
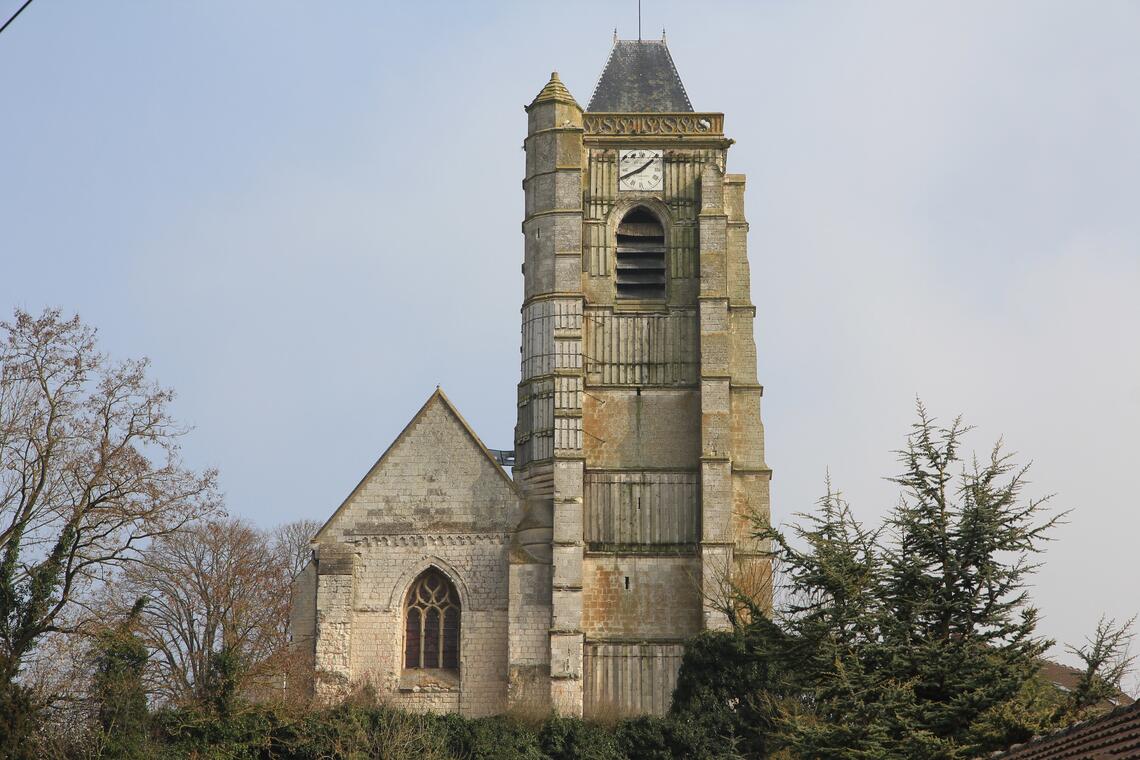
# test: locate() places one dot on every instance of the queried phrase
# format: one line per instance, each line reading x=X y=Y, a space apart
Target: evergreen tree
x=831 y=647
x=912 y=641
x=958 y=622
x=219 y=690
x=1106 y=659
x=727 y=691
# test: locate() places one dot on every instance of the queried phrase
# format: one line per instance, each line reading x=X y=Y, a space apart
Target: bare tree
x=293 y=541
x=89 y=473
x=217 y=586
x=291 y=671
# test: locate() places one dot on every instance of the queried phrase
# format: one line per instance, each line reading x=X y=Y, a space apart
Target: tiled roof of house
x=1109 y=737
x=639 y=77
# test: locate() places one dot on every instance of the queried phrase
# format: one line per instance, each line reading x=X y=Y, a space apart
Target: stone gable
x=435 y=499
x=435 y=478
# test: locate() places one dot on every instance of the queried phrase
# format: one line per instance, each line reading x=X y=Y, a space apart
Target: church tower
x=639 y=447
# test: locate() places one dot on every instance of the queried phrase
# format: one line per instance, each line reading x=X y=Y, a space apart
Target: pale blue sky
x=307 y=215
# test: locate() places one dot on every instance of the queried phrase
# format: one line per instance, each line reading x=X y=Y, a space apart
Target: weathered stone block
x=567 y=566
x=655 y=428
x=566 y=655
x=567 y=609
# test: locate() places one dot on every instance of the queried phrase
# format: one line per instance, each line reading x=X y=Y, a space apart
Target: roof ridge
x=474 y=437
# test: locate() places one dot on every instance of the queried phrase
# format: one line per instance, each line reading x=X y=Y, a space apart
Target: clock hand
x=641 y=168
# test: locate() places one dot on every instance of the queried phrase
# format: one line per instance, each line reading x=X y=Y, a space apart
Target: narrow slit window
x=640 y=256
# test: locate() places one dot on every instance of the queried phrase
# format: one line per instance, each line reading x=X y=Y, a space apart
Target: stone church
x=573 y=582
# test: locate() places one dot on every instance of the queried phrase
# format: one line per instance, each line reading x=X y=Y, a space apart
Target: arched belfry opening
x=640 y=256
x=431 y=623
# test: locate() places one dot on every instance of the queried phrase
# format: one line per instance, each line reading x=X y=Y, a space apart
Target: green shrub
x=572 y=738
x=357 y=730
x=678 y=737
x=722 y=706
x=492 y=738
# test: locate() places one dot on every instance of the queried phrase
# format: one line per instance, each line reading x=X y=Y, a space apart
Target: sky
x=307 y=216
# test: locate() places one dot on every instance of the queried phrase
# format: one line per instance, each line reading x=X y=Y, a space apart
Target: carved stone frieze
x=702 y=124
x=437 y=539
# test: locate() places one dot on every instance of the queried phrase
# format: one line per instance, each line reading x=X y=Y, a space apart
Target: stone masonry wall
x=641 y=597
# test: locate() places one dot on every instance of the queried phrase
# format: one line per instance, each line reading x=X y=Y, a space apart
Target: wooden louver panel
x=640 y=266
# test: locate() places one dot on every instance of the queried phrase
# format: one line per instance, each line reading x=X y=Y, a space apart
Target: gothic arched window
x=431 y=623
x=640 y=256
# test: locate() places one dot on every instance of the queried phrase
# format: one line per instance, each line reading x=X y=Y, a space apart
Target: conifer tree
x=901 y=643
x=1106 y=659
x=959 y=623
x=831 y=618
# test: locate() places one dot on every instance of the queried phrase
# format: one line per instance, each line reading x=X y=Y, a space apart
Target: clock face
x=640 y=170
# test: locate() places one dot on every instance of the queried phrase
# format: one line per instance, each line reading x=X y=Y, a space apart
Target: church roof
x=639 y=77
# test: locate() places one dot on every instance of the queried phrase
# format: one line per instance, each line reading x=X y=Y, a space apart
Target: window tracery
x=432 y=623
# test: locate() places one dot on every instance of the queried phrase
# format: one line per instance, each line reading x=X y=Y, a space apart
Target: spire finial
x=662 y=34
x=615 y=35
x=639 y=20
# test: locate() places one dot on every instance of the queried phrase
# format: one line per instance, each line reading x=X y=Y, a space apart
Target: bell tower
x=639 y=446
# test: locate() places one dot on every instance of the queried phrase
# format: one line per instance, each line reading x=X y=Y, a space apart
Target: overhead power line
x=17 y=13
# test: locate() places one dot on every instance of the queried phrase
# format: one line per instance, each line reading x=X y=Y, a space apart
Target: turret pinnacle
x=553 y=91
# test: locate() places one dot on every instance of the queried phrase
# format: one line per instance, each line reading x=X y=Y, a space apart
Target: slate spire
x=639 y=77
